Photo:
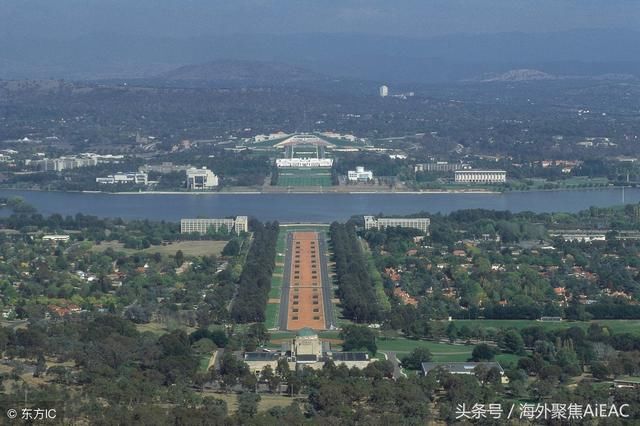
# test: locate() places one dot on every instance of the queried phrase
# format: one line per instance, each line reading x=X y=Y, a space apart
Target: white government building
x=359 y=175
x=304 y=162
x=481 y=176
x=419 y=223
x=305 y=350
x=201 y=178
x=72 y=162
x=201 y=226
x=130 y=177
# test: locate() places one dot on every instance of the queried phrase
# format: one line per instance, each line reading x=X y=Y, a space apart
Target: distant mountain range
x=537 y=75
x=394 y=60
x=241 y=71
x=518 y=75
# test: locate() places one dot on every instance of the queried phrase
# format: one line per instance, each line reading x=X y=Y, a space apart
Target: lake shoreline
x=299 y=192
x=314 y=207
x=302 y=192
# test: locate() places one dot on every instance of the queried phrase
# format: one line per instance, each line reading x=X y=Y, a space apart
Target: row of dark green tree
x=355 y=286
x=250 y=302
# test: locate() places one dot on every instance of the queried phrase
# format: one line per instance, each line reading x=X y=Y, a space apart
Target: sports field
x=314 y=176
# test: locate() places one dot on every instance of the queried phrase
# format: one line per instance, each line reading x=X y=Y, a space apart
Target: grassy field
x=616 y=326
x=572 y=182
x=507 y=360
x=267 y=401
x=271 y=315
x=189 y=248
x=276 y=286
x=407 y=345
x=158 y=328
x=278 y=335
x=204 y=363
x=304 y=177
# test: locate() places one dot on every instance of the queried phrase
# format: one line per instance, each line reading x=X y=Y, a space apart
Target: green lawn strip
x=278 y=335
x=276 y=288
x=507 y=360
x=407 y=345
x=271 y=315
x=204 y=363
x=616 y=326
x=461 y=357
x=305 y=177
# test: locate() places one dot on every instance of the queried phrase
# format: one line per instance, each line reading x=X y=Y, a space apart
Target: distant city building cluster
x=359 y=175
x=202 y=226
x=125 y=178
x=164 y=168
x=201 y=178
x=304 y=162
x=71 y=162
x=481 y=176
x=269 y=137
x=6 y=155
x=589 y=235
x=419 y=223
x=383 y=91
x=345 y=137
x=302 y=137
x=56 y=238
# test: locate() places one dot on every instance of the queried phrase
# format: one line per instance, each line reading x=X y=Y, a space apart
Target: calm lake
x=321 y=208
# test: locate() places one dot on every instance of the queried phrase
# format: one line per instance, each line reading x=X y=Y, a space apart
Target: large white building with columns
x=480 y=176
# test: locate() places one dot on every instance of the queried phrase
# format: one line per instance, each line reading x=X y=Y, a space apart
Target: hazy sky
x=416 y=18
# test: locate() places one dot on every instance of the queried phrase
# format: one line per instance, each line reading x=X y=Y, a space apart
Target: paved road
x=327 y=285
x=216 y=359
x=392 y=356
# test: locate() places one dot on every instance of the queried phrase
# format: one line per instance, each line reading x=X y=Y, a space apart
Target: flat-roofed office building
x=130 y=178
x=481 y=176
x=201 y=178
x=202 y=226
x=360 y=175
x=440 y=166
x=419 y=223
